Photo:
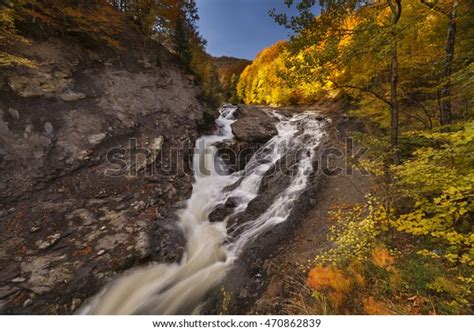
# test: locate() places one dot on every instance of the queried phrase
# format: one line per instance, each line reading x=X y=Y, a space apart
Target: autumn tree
x=331 y=31
x=448 y=10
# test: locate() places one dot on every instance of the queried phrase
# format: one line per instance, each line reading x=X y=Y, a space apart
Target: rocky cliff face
x=94 y=159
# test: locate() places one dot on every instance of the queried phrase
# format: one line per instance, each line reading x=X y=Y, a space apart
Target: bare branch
x=366 y=90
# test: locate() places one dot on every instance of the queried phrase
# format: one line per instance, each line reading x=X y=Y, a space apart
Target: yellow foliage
x=440 y=182
x=269 y=79
x=355 y=233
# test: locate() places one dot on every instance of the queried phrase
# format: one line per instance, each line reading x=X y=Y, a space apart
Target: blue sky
x=240 y=28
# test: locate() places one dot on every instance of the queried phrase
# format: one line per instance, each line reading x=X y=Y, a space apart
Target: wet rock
x=231 y=203
x=219 y=214
x=222 y=211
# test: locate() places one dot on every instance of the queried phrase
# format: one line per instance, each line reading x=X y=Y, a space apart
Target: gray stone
x=14 y=113
x=5 y=291
x=96 y=139
x=155 y=149
x=111 y=241
x=28 y=131
x=254 y=125
x=37 y=83
x=27 y=302
x=48 y=128
x=3 y=125
x=76 y=302
x=49 y=241
x=70 y=96
x=18 y=280
x=43 y=278
x=35 y=229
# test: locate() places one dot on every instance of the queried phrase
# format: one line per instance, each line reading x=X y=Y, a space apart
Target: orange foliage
x=332 y=280
x=382 y=258
x=374 y=307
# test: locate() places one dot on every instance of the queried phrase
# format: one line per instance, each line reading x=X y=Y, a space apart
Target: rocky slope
x=94 y=159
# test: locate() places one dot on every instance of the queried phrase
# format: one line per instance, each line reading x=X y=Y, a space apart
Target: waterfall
x=181 y=288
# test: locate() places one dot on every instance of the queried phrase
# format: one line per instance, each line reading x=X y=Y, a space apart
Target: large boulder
x=253 y=128
x=254 y=125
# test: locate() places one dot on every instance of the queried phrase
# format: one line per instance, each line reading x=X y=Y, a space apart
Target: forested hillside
x=229 y=69
x=104 y=23
x=407 y=69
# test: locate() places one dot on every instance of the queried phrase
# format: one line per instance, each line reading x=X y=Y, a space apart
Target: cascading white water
x=181 y=288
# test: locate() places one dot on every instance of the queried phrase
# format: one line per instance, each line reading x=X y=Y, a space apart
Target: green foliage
x=448 y=292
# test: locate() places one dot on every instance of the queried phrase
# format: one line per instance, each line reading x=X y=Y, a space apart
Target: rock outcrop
x=253 y=128
x=254 y=125
x=94 y=158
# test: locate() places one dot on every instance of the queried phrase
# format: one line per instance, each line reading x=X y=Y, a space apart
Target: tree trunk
x=445 y=114
x=396 y=12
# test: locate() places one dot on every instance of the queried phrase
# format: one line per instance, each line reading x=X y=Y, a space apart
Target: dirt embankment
x=94 y=159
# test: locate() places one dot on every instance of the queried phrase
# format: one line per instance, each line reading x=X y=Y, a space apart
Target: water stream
x=211 y=250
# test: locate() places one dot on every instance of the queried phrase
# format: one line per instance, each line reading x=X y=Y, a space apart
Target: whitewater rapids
x=181 y=288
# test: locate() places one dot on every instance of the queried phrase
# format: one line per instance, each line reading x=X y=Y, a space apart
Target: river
x=211 y=247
